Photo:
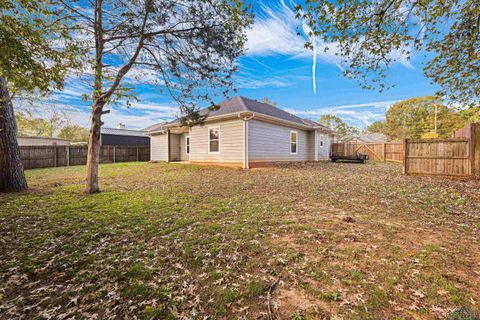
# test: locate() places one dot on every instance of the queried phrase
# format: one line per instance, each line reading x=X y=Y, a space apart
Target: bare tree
x=190 y=46
x=46 y=120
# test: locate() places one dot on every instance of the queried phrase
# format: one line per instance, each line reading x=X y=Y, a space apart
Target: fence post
x=404 y=170
x=68 y=155
x=474 y=143
x=384 y=152
x=114 y=147
x=137 y=154
x=55 y=155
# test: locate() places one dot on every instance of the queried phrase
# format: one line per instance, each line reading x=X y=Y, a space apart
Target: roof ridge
x=242 y=102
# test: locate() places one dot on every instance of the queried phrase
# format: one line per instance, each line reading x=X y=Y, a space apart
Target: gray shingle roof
x=124 y=132
x=154 y=127
x=241 y=104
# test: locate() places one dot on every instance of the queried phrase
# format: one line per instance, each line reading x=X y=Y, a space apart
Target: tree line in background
x=422 y=117
x=344 y=131
x=56 y=122
x=412 y=119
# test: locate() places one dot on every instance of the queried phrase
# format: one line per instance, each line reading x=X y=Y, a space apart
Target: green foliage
x=298 y=316
x=415 y=118
x=31 y=59
x=344 y=130
x=255 y=288
x=371 y=35
x=462 y=313
x=471 y=115
x=377 y=126
x=377 y=298
x=135 y=291
x=31 y=126
x=268 y=101
x=74 y=133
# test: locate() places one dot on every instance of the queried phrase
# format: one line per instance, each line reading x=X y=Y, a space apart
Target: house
x=42 y=141
x=375 y=137
x=244 y=133
x=120 y=136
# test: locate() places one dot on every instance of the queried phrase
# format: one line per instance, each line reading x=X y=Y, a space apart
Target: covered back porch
x=178 y=142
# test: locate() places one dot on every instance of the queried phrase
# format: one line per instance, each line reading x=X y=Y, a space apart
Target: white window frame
x=187 y=145
x=321 y=141
x=296 y=142
x=219 y=138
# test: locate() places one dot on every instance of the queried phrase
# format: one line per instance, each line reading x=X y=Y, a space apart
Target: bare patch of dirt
x=290 y=301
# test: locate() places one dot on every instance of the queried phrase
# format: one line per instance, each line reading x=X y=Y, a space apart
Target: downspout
x=245 y=138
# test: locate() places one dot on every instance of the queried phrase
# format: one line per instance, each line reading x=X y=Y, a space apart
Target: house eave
x=257 y=115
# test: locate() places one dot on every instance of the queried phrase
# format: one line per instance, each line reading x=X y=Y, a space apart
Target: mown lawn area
x=175 y=241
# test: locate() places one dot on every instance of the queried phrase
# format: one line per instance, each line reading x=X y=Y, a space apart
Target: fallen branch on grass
x=269 y=298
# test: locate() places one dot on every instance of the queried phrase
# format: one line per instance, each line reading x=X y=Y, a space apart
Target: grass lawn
x=347 y=241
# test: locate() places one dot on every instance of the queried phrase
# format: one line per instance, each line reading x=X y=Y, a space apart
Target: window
x=293 y=142
x=321 y=140
x=187 y=142
x=214 y=140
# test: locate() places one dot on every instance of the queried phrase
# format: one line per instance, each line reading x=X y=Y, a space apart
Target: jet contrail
x=312 y=39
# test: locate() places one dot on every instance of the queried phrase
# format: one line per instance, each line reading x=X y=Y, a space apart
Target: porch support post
x=245 y=144
x=168 y=146
x=316 y=145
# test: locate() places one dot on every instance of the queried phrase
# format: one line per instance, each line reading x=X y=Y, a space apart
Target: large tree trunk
x=12 y=177
x=93 y=155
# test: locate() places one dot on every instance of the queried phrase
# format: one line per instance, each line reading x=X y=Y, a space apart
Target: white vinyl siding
x=271 y=142
x=231 y=142
x=159 y=147
x=324 y=152
x=268 y=142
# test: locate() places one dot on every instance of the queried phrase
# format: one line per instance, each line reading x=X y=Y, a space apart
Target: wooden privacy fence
x=446 y=157
x=58 y=156
x=390 y=151
x=458 y=156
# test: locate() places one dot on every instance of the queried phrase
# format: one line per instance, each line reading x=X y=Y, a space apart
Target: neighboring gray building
x=120 y=136
x=244 y=133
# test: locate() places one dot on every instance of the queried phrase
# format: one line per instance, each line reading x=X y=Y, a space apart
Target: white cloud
x=360 y=115
x=140 y=115
x=251 y=83
x=276 y=31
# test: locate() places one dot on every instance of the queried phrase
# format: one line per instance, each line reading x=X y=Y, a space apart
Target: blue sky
x=277 y=66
